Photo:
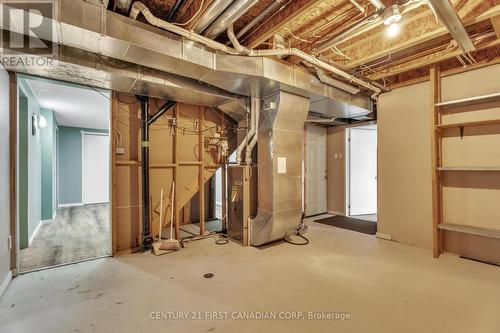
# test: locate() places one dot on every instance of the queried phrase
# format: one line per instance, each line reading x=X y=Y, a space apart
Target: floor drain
x=208 y=276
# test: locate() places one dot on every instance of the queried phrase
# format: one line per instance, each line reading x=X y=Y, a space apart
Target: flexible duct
x=253 y=142
x=215 y=9
x=228 y=17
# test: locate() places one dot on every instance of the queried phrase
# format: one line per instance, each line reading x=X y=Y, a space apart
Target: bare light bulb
x=42 y=122
x=393 y=30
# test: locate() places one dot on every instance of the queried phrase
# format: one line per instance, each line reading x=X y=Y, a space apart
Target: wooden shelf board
x=491 y=233
x=469 y=101
x=470 y=124
x=468 y=169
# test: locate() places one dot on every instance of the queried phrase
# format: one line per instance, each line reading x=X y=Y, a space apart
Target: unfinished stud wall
x=164 y=166
x=405 y=200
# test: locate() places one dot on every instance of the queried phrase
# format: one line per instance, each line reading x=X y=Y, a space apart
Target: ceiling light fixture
x=392 y=15
x=42 y=122
x=393 y=30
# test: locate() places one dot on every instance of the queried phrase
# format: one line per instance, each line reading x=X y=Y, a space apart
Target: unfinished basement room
x=250 y=166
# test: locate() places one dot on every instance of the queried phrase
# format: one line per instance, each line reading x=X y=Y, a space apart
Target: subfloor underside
x=383 y=285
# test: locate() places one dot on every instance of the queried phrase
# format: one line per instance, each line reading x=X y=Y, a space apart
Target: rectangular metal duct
x=88 y=26
x=281 y=127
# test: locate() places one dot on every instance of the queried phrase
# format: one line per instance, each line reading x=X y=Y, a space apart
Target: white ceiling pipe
x=244 y=143
x=228 y=17
x=253 y=142
x=215 y=9
x=323 y=77
x=139 y=7
x=357 y=5
x=378 y=4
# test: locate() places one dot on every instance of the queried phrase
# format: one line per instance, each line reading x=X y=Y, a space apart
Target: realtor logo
x=27 y=33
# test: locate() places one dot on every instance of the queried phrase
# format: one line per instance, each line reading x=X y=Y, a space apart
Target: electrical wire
x=306 y=241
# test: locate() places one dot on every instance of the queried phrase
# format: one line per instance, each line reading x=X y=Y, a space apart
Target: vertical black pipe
x=147 y=240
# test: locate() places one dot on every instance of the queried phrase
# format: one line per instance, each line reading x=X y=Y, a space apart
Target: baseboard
x=35 y=232
x=79 y=204
x=5 y=283
x=383 y=236
x=336 y=213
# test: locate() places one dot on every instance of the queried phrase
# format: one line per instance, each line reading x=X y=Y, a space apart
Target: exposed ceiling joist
x=293 y=10
x=413 y=37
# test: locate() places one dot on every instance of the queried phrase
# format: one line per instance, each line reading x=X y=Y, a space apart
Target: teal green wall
x=48 y=134
x=23 y=171
x=70 y=163
x=34 y=165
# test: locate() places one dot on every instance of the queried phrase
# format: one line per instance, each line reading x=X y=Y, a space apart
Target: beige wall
x=336 y=169
x=404 y=119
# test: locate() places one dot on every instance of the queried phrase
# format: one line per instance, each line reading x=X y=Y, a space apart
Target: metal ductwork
x=88 y=27
x=215 y=9
x=228 y=17
x=280 y=134
x=271 y=8
x=122 y=6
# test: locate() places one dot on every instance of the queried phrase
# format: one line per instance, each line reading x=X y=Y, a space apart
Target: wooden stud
x=435 y=83
x=114 y=196
x=176 y=177
x=201 y=182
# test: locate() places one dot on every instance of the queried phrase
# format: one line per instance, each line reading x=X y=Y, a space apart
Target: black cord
x=299 y=244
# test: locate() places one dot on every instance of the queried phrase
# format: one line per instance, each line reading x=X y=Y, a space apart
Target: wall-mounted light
x=34 y=124
x=42 y=122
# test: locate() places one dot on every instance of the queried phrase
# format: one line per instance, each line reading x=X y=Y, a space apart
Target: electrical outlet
x=120 y=151
x=9 y=243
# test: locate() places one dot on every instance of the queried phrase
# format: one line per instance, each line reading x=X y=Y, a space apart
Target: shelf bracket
x=461 y=132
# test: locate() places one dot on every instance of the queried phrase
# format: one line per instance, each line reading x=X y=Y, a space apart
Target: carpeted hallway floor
x=76 y=234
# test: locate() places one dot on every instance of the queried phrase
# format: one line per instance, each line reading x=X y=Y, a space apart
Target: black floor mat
x=366 y=227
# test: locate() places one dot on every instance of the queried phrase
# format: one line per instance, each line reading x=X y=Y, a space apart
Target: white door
x=363 y=171
x=95 y=170
x=316 y=170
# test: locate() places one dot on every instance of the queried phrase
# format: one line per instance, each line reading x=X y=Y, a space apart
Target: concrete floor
x=384 y=286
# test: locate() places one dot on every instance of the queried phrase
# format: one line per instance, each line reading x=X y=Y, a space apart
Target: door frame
x=348 y=163
x=14 y=172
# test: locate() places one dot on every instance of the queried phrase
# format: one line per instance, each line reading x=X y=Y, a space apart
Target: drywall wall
x=405 y=202
x=404 y=174
x=336 y=169
x=34 y=163
x=48 y=165
x=5 y=274
x=70 y=164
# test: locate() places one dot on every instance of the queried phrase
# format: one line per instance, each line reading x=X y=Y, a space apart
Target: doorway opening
x=361 y=193
x=63 y=174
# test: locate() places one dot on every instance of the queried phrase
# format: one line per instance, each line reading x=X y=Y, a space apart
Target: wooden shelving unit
x=437 y=107
x=470 y=230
